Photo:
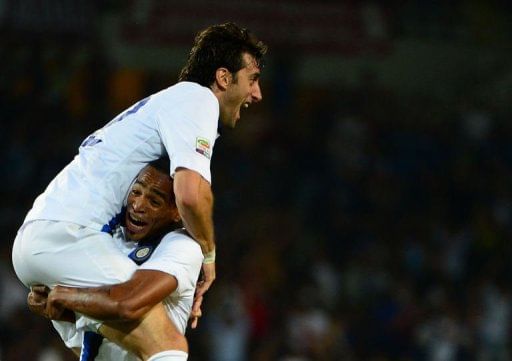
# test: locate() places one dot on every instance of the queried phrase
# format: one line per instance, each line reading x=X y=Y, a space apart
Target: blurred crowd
x=354 y=222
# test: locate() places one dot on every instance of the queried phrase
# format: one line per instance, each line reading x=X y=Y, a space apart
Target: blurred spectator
x=494 y=325
x=355 y=221
x=228 y=325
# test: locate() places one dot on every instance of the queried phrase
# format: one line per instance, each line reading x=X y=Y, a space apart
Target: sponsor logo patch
x=203 y=147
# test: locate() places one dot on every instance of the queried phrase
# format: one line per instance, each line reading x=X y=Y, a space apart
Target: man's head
x=228 y=59
x=151 y=209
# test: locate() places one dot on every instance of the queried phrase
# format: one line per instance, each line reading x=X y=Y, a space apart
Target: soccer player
x=169 y=264
x=66 y=237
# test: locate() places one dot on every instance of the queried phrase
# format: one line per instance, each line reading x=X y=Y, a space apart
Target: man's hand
x=38 y=303
x=207 y=280
x=208 y=276
x=54 y=309
x=37 y=299
x=196 y=311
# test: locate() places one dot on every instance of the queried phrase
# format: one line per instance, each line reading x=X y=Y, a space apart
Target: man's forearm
x=194 y=199
x=93 y=302
x=199 y=223
x=127 y=301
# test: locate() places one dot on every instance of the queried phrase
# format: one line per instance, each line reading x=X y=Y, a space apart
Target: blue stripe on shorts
x=90 y=346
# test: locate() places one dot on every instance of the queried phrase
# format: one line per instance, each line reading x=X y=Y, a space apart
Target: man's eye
x=135 y=192
x=155 y=203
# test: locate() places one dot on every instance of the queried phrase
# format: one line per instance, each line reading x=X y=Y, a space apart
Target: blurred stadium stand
x=364 y=209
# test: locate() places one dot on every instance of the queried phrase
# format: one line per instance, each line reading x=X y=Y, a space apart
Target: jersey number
x=133 y=110
x=92 y=140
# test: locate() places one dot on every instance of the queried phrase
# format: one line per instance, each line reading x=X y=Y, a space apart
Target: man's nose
x=256 y=93
x=138 y=204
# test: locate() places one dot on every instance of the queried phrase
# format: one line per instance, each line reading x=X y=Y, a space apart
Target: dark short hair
x=163 y=164
x=220 y=46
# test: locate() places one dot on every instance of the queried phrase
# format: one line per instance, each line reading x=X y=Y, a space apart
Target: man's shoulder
x=178 y=247
x=181 y=238
x=179 y=233
x=187 y=90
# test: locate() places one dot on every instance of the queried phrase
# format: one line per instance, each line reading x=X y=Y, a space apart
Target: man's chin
x=230 y=123
x=134 y=236
x=236 y=119
x=233 y=123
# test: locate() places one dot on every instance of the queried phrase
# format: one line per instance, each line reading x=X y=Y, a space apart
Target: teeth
x=246 y=105
x=135 y=218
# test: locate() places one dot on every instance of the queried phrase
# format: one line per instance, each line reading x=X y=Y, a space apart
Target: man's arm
x=194 y=199
x=126 y=301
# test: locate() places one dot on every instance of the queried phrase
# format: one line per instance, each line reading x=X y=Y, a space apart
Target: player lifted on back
x=169 y=264
x=66 y=237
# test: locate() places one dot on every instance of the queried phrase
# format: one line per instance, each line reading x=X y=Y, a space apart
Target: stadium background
x=364 y=209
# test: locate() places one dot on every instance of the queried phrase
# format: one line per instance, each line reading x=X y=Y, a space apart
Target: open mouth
x=135 y=224
x=244 y=106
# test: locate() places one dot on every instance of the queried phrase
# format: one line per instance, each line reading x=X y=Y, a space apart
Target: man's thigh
x=51 y=253
x=152 y=334
x=135 y=340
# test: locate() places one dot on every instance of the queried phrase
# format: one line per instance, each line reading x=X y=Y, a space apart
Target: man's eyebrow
x=154 y=190
x=158 y=193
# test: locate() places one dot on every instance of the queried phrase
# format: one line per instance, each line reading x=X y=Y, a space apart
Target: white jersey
x=180 y=121
x=180 y=256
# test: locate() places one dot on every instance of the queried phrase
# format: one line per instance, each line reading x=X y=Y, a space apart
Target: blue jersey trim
x=115 y=222
x=144 y=250
x=90 y=346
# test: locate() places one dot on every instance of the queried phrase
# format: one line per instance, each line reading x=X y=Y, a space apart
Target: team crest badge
x=203 y=147
x=141 y=254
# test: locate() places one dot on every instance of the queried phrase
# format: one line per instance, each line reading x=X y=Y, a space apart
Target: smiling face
x=151 y=209
x=242 y=89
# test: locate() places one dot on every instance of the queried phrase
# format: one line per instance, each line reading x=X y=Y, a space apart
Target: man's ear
x=176 y=217
x=223 y=78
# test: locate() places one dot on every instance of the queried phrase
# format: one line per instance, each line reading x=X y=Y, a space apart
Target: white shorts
x=98 y=348
x=110 y=351
x=61 y=253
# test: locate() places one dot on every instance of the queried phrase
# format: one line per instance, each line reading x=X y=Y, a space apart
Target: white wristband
x=209 y=257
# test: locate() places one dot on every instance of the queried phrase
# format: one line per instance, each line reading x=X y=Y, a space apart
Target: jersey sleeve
x=189 y=131
x=181 y=257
